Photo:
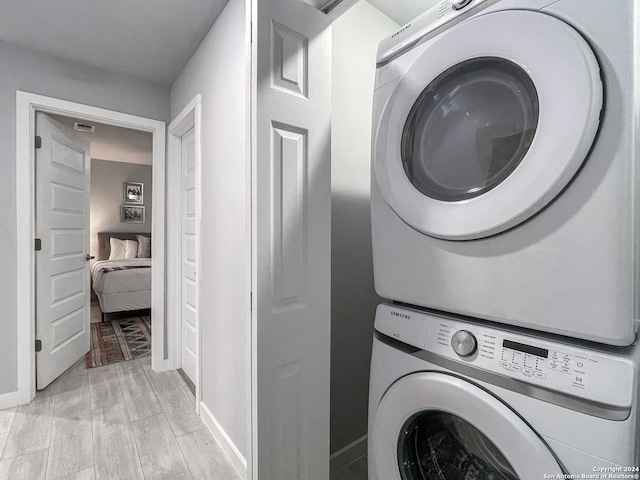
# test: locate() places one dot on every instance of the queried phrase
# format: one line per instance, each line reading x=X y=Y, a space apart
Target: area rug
x=119 y=340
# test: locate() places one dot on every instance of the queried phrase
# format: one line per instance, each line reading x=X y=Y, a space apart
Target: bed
x=121 y=275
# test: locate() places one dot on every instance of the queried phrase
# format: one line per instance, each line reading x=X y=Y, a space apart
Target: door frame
x=189 y=117
x=26 y=106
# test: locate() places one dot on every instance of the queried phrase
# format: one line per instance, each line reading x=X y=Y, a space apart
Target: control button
x=540 y=375
x=580 y=364
x=527 y=371
x=464 y=343
x=458 y=4
x=516 y=368
x=505 y=365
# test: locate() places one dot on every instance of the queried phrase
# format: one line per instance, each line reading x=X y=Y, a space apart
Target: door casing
x=26 y=106
x=189 y=117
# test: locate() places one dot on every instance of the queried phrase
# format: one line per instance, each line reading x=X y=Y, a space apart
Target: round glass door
x=438 y=426
x=485 y=124
x=436 y=445
x=469 y=129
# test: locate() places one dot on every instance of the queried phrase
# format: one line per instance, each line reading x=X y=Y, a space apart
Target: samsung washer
x=452 y=399
x=505 y=152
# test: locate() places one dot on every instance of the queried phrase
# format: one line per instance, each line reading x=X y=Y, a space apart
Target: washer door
x=488 y=124
x=432 y=426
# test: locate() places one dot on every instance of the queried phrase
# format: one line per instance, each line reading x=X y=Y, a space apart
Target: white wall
x=356 y=35
x=218 y=72
x=22 y=69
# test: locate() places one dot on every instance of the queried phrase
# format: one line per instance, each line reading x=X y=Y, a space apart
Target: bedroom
x=120 y=230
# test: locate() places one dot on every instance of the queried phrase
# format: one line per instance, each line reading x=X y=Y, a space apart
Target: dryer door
x=432 y=426
x=488 y=124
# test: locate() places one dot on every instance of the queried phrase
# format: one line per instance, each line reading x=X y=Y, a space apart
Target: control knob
x=464 y=343
x=459 y=4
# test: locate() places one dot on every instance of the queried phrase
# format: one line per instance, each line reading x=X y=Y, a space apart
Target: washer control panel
x=582 y=372
x=464 y=343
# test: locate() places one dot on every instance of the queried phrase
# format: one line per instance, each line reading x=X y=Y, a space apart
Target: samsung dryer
x=505 y=152
x=451 y=399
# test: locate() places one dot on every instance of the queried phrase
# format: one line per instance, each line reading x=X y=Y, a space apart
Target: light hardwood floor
x=119 y=422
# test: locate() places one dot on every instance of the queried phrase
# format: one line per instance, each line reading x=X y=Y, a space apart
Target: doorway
x=184 y=248
x=121 y=181
x=26 y=107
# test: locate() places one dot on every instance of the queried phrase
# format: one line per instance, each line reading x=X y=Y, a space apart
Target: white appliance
x=452 y=399
x=505 y=153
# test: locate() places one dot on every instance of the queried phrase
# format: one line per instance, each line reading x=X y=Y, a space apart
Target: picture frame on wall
x=131 y=214
x=133 y=193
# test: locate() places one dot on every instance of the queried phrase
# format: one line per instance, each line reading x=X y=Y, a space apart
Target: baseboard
x=347 y=455
x=161 y=364
x=236 y=458
x=13 y=399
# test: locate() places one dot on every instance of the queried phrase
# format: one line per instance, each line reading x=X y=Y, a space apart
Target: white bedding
x=122 y=290
x=120 y=281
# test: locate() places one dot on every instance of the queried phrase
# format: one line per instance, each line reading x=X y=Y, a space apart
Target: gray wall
x=107 y=179
x=356 y=35
x=36 y=73
x=218 y=72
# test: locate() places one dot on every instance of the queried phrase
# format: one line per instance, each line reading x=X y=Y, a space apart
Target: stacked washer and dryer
x=505 y=231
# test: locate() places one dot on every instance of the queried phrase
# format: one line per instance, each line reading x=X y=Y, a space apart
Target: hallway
x=119 y=422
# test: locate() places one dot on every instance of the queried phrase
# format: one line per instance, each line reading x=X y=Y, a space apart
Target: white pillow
x=122 y=249
x=131 y=249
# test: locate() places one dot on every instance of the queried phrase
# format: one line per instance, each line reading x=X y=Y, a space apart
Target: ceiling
x=403 y=11
x=151 y=39
x=113 y=143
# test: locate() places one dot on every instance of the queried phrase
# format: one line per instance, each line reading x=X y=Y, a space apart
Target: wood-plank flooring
x=119 y=422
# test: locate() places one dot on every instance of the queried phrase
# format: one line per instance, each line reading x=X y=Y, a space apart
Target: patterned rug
x=119 y=340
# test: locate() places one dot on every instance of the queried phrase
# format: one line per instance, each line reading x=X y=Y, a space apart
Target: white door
x=291 y=232
x=62 y=267
x=189 y=304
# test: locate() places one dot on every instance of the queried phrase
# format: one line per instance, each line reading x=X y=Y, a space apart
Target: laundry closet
x=499 y=138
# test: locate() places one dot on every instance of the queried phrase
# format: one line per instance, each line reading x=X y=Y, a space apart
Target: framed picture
x=131 y=214
x=133 y=193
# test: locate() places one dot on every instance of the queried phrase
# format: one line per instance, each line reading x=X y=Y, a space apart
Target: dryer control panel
x=581 y=372
x=445 y=12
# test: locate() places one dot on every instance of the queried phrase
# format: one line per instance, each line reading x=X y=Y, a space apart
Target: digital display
x=540 y=352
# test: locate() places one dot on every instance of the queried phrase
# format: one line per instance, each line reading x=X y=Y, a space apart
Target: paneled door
x=291 y=232
x=189 y=304
x=62 y=266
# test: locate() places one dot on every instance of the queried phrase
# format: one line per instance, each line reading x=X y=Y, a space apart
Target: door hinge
x=38 y=345
x=38 y=141
x=38 y=244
